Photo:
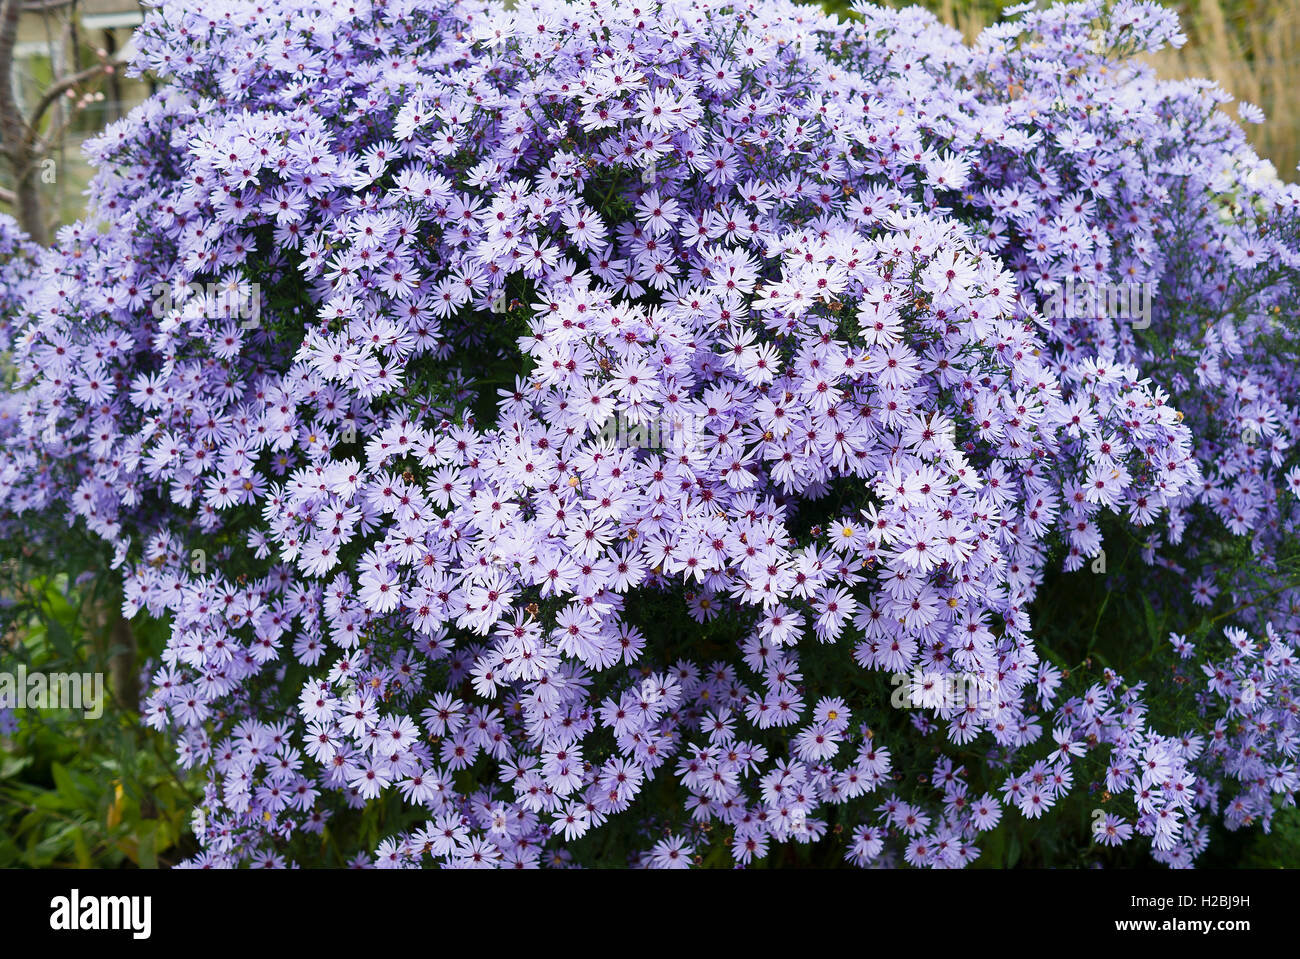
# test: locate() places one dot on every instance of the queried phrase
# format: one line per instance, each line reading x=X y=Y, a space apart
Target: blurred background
x=1249 y=47
x=108 y=793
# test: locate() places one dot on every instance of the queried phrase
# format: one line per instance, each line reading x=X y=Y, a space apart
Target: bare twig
x=56 y=90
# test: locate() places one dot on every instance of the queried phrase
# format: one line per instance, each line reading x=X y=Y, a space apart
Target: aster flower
x=736 y=246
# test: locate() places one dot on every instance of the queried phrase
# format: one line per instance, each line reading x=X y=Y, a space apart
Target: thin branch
x=51 y=96
x=8 y=196
x=54 y=136
x=63 y=86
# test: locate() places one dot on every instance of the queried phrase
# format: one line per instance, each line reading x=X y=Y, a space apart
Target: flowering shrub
x=18 y=281
x=17 y=253
x=333 y=362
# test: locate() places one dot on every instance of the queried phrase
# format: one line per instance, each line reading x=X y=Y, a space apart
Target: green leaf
x=12 y=765
x=64 y=783
x=1153 y=624
x=147 y=857
x=80 y=849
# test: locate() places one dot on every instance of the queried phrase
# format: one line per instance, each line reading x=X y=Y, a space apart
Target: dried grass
x=1254 y=58
x=1251 y=48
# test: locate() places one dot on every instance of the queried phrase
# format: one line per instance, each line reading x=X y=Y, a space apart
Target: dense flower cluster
x=335 y=366
x=18 y=281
